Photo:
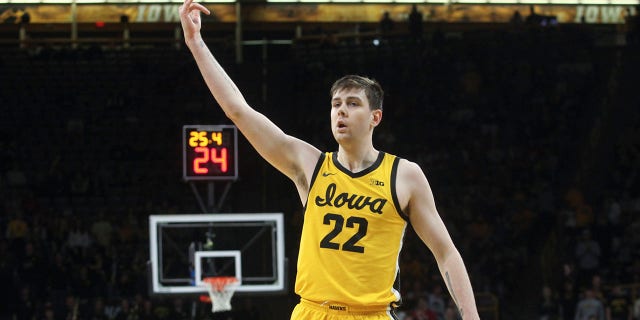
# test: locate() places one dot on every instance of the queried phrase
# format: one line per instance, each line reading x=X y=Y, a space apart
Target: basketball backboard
x=186 y=248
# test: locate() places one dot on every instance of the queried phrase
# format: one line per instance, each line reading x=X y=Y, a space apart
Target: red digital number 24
x=209 y=154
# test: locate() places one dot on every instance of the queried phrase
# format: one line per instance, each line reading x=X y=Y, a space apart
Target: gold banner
x=109 y=13
x=366 y=13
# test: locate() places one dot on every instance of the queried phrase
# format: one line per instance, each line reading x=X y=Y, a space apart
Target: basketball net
x=221 y=290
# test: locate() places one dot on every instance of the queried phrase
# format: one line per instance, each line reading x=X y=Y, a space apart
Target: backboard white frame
x=155 y=220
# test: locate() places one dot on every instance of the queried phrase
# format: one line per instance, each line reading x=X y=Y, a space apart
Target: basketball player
x=358 y=200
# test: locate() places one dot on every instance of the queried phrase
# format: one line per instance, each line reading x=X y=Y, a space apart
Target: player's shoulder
x=409 y=171
x=409 y=180
x=401 y=162
x=406 y=170
x=409 y=165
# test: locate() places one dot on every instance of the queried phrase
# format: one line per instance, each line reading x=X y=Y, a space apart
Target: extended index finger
x=199 y=7
x=189 y=6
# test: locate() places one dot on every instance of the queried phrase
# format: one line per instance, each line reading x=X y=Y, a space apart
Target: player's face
x=351 y=117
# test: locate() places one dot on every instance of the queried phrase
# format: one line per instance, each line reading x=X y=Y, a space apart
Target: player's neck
x=357 y=159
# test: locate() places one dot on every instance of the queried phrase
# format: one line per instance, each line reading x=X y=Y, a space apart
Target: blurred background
x=524 y=116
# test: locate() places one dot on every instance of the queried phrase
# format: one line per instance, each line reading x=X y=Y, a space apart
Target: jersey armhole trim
x=394 y=194
x=313 y=177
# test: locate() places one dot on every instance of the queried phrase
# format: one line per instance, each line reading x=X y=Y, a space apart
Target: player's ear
x=376 y=117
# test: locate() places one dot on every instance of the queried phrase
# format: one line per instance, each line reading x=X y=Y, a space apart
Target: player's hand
x=190 y=19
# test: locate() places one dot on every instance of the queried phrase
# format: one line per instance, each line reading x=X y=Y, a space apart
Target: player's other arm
x=293 y=157
x=415 y=194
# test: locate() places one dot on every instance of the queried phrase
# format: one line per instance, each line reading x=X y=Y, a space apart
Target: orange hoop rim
x=219 y=283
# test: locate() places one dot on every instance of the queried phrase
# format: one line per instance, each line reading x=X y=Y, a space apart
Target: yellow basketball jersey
x=352 y=235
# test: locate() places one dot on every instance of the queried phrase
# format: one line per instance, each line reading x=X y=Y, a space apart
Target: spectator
x=437 y=301
x=178 y=311
x=416 y=292
x=451 y=313
x=516 y=18
x=248 y=310
x=26 y=307
x=48 y=313
x=415 y=22
x=17 y=232
x=598 y=288
x=589 y=307
x=113 y=309
x=102 y=230
x=549 y=306
x=73 y=308
x=587 y=253
x=98 y=312
x=568 y=300
x=79 y=238
x=386 y=23
x=147 y=311
x=533 y=19
x=422 y=311
x=126 y=311
x=618 y=305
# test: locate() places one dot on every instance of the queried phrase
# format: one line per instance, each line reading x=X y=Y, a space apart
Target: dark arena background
x=525 y=119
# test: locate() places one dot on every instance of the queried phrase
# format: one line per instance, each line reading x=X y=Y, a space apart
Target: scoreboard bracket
x=210 y=154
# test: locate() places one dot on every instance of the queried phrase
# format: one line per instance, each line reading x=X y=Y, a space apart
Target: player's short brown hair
x=372 y=88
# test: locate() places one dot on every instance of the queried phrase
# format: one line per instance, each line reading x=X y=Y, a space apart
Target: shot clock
x=210 y=152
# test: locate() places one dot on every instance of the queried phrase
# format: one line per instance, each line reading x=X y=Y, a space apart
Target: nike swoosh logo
x=326 y=174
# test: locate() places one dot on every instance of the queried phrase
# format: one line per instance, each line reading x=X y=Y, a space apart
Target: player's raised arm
x=293 y=157
x=415 y=192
